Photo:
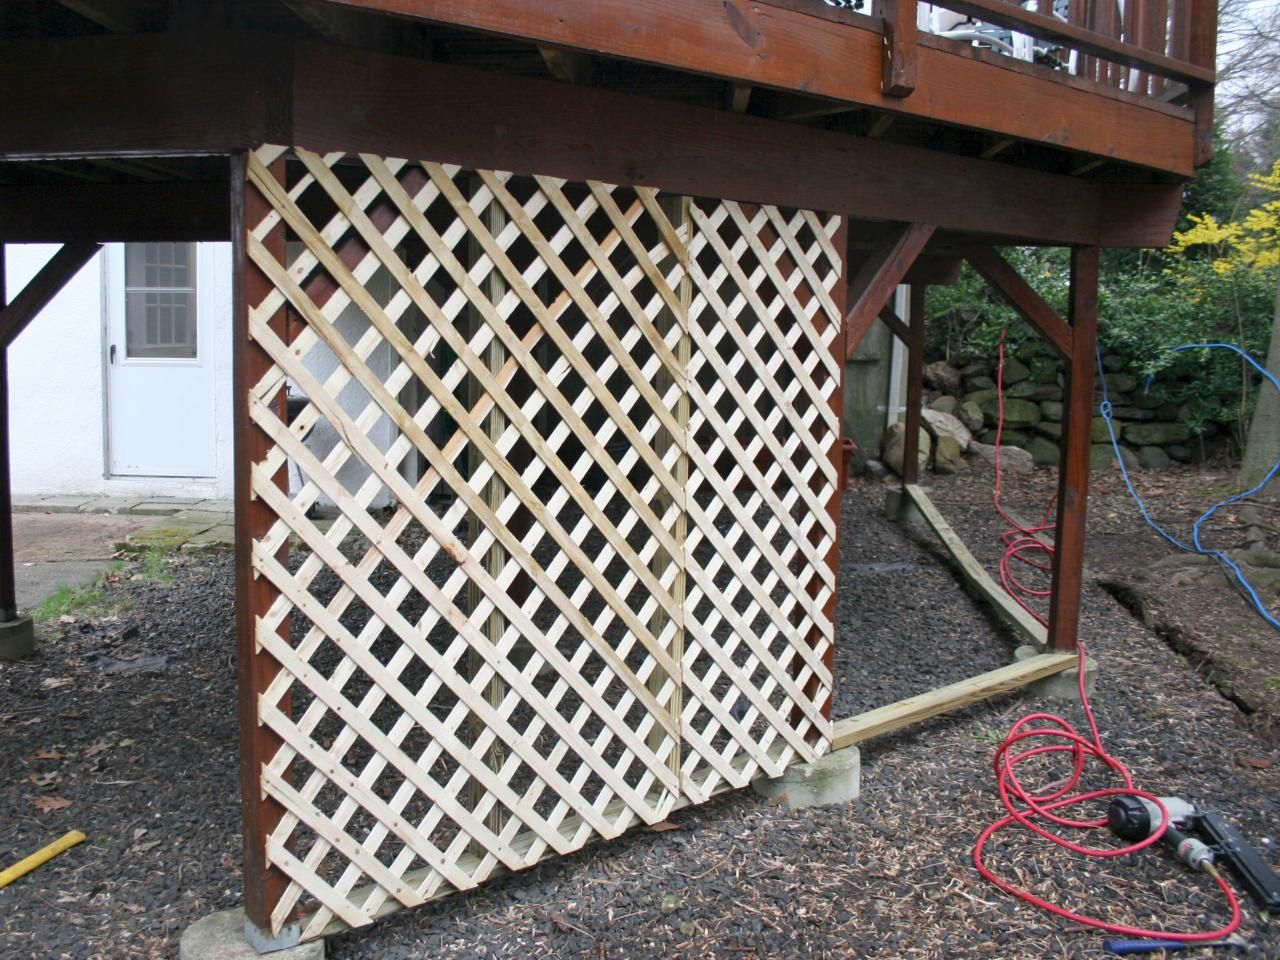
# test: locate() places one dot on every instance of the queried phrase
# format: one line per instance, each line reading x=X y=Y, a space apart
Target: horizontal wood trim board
x=973 y=572
x=904 y=713
x=770 y=46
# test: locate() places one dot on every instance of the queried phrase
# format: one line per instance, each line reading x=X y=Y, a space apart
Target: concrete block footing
x=835 y=778
x=225 y=936
x=17 y=638
x=1060 y=686
x=901 y=508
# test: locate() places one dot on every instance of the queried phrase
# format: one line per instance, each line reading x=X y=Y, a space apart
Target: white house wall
x=58 y=396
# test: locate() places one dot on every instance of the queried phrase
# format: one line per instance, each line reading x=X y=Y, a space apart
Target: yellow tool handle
x=26 y=865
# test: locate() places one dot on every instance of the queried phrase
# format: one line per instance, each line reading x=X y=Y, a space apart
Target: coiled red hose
x=1025 y=806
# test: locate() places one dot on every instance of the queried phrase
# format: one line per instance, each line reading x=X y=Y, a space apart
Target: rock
x=976 y=368
x=941 y=424
x=1132 y=413
x=980 y=396
x=970 y=414
x=1051 y=409
x=1049 y=428
x=1017 y=413
x=1045 y=369
x=942 y=376
x=1030 y=390
x=1156 y=434
x=1153 y=458
x=1012 y=459
x=1180 y=452
x=1015 y=371
x=1112 y=363
x=1148 y=400
x=945 y=404
x=1044 y=452
x=894 y=441
x=1012 y=438
x=979 y=383
x=948 y=458
x=1121 y=382
x=1168 y=411
x=1098 y=432
x=1102 y=456
x=875 y=469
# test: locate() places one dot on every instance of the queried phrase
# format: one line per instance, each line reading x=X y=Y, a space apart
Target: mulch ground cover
x=123 y=726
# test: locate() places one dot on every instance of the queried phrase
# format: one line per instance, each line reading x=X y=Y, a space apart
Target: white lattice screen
x=578 y=446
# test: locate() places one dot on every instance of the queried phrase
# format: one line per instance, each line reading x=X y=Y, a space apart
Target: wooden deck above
x=785 y=101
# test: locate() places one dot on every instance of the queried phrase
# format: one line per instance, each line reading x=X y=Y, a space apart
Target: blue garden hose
x=1196 y=546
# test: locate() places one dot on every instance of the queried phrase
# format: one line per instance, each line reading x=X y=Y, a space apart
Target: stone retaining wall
x=1152 y=428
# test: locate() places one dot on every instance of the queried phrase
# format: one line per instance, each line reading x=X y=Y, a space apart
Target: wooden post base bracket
x=17 y=638
x=222 y=936
x=835 y=778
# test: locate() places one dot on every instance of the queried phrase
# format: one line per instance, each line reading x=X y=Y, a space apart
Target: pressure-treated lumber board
x=789 y=50
x=974 y=574
x=895 y=716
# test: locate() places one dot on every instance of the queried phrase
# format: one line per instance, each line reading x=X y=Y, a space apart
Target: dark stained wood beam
x=42 y=288
x=998 y=272
x=348 y=100
x=770 y=46
x=879 y=276
x=889 y=317
x=152 y=94
x=114 y=212
x=1073 y=471
x=213 y=93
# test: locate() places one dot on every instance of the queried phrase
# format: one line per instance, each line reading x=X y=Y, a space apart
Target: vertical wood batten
x=1073 y=476
x=264 y=884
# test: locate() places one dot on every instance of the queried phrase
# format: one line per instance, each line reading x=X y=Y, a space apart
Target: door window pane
x=160 y=301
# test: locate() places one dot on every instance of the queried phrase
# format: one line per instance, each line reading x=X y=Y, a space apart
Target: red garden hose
x=1056 y=735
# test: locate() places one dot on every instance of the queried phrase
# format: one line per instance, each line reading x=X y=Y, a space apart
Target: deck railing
x=1158 y=49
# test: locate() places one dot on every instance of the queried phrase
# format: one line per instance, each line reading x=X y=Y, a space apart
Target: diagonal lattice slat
x=557 y=517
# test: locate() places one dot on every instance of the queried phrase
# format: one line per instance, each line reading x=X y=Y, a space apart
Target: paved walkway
x=71 y=540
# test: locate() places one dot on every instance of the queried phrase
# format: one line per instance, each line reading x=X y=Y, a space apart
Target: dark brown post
x=1203 y=52
x=915 y=385
x=8 y=592
x=1073 y=475
x=898 y=58
x=263 y=884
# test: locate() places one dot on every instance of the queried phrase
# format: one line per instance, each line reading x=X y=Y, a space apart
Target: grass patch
x=154 y=567
x=86 y=600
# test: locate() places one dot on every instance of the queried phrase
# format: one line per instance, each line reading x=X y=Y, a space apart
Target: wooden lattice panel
x=576 y=441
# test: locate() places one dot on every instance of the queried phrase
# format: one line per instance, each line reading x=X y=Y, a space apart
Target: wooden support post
x=263 y=884
x=1006 y=282
x=915 y=386
x=8 y=590
x=1073 y=476
x=1203 y=47
x=898 y=59
x=878 y=277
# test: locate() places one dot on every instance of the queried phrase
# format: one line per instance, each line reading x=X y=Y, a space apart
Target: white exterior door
x=162 y=302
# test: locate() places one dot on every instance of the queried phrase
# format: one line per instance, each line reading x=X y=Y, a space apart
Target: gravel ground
x=145 y=760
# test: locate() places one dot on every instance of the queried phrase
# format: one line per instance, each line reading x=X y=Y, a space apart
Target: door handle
x=111 y=354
